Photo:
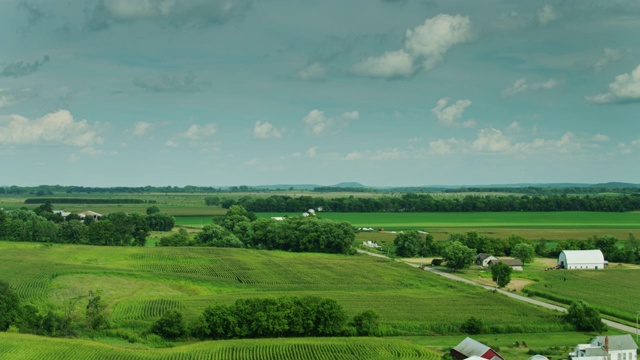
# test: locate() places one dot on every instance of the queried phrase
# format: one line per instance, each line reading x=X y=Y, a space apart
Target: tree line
x=242 y=229
x=116 y=229
x=427 y=203
x=87 y=201
x=286 y=316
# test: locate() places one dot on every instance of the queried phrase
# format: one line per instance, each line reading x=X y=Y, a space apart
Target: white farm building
x=615 y=347
x=581 y=259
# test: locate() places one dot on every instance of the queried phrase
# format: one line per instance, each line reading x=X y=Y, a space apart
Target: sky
x=381 y=92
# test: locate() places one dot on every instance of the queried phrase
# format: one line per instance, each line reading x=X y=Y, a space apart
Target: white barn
x=581 y=259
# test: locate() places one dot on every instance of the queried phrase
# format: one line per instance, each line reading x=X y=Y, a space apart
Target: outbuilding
x=581 y=260
x=468 y=348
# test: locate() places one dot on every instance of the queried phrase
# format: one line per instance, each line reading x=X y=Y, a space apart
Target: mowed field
x=139 y=284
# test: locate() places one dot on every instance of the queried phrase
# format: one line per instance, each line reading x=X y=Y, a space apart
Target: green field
x=16 y=346
x=139 y=284
x=614 y=291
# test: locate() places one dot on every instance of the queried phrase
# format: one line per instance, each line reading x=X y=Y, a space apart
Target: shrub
x=170 y=326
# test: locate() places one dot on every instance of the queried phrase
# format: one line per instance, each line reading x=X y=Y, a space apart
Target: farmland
x=18 y=347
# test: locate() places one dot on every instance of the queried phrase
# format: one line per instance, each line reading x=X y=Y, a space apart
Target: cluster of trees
x=612 y=249
x=612 y=188
x=427 y=203
x=26 y=318
x=584 y=317
x=87 y=201
x=42 y=225
x=287 y=316
x=240 y=228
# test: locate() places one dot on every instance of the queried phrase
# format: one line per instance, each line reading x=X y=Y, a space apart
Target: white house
x=484 y=259
x=615 y=347
x=581 y=259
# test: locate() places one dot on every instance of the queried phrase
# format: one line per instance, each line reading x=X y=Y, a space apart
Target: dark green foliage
x=10 y=310
x=523 y=251
x=212 y=200
x=366 y=323
x=72 y=232
x=180 y=238
x=216 y=235
x=159 y=221
x=170 y=326
x=95 y=313
x=153 y=209
x=501 y=274
x=458 y=256
x=272 y=317
x=584 y=317
x=412 y=244
x=472 y=326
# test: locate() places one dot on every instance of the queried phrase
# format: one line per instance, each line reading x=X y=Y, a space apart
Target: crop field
x=16 y=346
x=139 y=284
x=613 y=291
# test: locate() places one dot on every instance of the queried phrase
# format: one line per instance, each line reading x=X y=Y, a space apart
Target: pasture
x=139 y=284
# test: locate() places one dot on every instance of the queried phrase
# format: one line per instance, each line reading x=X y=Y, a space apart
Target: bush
x=170 y=326
x=366 y=323
x=472 y=326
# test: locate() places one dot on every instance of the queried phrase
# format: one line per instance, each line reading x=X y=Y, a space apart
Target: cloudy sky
x=383 y=92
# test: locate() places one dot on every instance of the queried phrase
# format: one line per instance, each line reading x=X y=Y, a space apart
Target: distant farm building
x=483 y=259
x=469 y=348
x=62 y=213
x=515 y=264
x=371 y=244
x=615 y=347
x=277 y=218
x=92 y=214
x=581 y=259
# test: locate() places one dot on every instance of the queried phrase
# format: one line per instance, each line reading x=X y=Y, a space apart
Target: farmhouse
x=581 y=259
x=469 y=348
x=92 y=214
x=483 y=259
x=515 y=264
x=615 y=347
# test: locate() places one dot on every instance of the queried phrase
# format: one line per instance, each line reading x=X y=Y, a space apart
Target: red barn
x=471 y=348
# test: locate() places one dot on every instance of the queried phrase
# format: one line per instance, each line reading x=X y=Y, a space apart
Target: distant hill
x=350 y=185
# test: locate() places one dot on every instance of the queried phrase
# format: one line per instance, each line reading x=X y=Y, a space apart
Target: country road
x=612 y=324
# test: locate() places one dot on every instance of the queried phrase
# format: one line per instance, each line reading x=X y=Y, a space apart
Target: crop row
x=28 y=347
x=143 y=309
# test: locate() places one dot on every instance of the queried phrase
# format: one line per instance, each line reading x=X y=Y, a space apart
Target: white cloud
x=141 y=128
x=624 y=89
x=313 y=72
x=312 y=151
x=427 y=42
x=601 y=138
x=196 y=132
x=353 y=156
x=264 y=130
x=11 y=97
x=56 y=128
x=317 y=123
x=491 y=140
x=172 y=144
x=447 y=115
x=350 y=115
x=469 y=124
x=627 y=148
x=547 y=14
x=392 y=64
x=609 y=56
x=521 y=85
x=431 y=40
x=443 y=146
x=251 y=162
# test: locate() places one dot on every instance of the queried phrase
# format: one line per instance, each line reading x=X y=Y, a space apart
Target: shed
x=469 y=348
x=89 y=213
x=483 y=259
x=581 y=259
x=515 y=264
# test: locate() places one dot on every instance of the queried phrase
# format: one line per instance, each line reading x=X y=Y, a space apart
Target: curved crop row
x=143 y=309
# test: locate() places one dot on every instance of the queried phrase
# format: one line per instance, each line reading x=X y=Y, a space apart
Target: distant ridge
x=350 y=185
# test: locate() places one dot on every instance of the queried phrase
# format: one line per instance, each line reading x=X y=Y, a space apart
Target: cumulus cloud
x=601 y=138
x=447 y=115
x=141 y=128
x=178 y=14
x=317 y=123
x=521 y=85
x=172 y=83
x=443 y=146
x=313 y=72
x=627 y=148
x=547 y=14
x=172 y=144
x=197 y=132
x=392 y=64
x=608 y=56
x=56 y=128
x=355 y=155
x=9 y=97
x=264 y=130
x=21 y=68
x=624 y=89
x=312 y=151
x=426 y=43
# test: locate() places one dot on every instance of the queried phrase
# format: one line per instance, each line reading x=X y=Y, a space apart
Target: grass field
x=139 y=284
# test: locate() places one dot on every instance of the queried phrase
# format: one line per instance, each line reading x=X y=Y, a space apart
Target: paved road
x=609 y=323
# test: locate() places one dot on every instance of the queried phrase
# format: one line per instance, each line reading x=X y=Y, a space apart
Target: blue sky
x=382 y=92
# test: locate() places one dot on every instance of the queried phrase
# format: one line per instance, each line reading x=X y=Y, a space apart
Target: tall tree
x=458 y=256
x=523 y=251
x=501 y=274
